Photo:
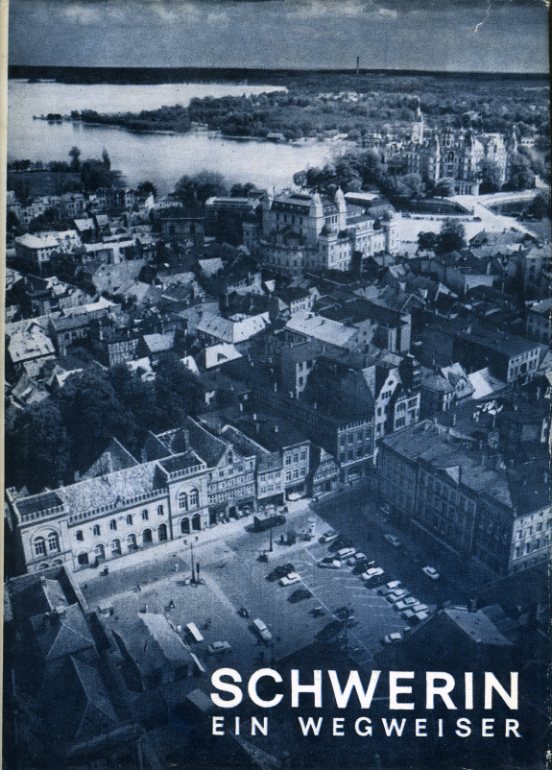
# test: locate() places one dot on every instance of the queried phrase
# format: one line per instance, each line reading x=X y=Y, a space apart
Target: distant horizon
x=230 y=68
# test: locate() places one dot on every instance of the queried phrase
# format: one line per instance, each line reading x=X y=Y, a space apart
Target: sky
x=452 y=35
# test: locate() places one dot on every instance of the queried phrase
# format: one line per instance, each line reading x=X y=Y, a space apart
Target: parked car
x=406 y=603
x=279 y=572
x=328 y=536
x=219 y=648
x=372 y=572
x=357 y=557
x=290 y=579
x=344 y=553
x=362 y=566
x=414 y=617
x=393 y=539
x=340 y=542
x=328 y=562
x=261 y=629
x=393 y=585
x=299 y=595
x=420 y=607
x=431 y=572
x=375 y=581
x=397 y=595
x=393 y=638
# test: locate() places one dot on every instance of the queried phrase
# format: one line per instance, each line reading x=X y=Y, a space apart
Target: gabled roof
x=61 y=632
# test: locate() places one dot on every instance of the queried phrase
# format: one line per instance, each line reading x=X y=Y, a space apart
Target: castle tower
x=268 y=199
x=316 y=219
x=417 y=132
x=341 y=203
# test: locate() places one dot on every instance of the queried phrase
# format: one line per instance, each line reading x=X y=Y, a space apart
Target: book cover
x=277 y=385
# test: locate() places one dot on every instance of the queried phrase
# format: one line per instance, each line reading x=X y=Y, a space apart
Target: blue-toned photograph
x=278 y=383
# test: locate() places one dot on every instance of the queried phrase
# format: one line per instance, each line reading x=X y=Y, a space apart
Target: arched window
x=183 y=501
x=40 y=547
x=160 y=510
x=194 y=498
x=147 y=536
x=99 y=550
x=145 y=514
x=116 y=548
x=96 y=529
x=113 y=524
x=185 y=526
x=129 y=518
x=80 y=535
x=131 y=542
x=162 y=533
x=53 y=541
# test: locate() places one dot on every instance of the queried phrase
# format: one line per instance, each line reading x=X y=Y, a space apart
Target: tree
x=146 y=188
x=95 y=174
x=540 y=205
x=193 y=191
x=444 y=187
x=177 y=391
x=451 y=237
x=521 y=174
x=90 y=407
x=39 y=448
x=490 y=176
x=74 y=154
x=427 y=241
x=106 y=159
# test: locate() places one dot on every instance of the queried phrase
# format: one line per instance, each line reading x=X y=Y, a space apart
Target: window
x=53 y=541
x=129 y=518
x=183 y=501
x=40 y=547
x=303 y=455
x=288 y=475
x=116 y=548
x=80 y=535
x=96 y=529
x=194 y=498
x=160 y=511
x=288 y=460
x=131 y=542
x=145 y=515
x=113 y=524
x=99 y=550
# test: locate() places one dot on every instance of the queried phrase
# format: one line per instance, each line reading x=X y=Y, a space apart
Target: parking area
x=233 y=578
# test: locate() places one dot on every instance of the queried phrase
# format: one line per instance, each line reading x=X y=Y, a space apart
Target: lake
x=161 y=158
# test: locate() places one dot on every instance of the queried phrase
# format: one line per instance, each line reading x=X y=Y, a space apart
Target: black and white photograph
x=277 y=385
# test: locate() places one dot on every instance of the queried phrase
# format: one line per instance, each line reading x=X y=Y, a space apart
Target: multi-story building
x=470 y=500
x=231 y=474
x=100 y=518
x=539 y=321
x=302 y=231
x=509 y=357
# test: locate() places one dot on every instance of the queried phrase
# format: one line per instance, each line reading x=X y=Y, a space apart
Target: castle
x=456 y=154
